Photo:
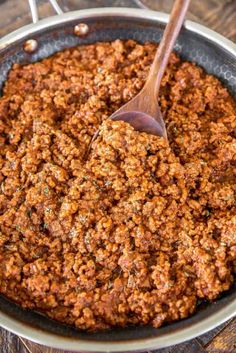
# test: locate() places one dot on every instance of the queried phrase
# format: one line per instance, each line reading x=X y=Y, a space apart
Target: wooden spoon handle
x=166 y=45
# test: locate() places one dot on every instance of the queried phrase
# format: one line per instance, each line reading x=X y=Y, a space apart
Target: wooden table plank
x=209 y=336
x=10 y=343
x=219 y=15
x=225 y=341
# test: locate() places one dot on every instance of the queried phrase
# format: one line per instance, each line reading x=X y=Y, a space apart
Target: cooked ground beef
x=144 y=228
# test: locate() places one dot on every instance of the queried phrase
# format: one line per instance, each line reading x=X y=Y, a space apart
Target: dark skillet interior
x=190 y=46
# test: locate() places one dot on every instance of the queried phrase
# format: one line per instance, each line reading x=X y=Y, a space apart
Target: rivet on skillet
x=81 y=29
x=30 y=45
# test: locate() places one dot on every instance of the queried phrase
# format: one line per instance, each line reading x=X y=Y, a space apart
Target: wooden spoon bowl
x=143 y=111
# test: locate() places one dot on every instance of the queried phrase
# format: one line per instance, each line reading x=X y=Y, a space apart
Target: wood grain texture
x=219 y=15
x=225 y=342
x=10 y=343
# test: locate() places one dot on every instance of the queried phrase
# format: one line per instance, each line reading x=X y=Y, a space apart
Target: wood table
x=219 y=15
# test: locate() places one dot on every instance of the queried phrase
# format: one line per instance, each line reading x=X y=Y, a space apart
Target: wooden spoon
x=143 y=112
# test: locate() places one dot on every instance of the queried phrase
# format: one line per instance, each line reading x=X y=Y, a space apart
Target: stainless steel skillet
x=196 y=43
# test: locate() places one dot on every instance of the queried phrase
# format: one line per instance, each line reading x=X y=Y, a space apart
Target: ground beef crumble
x=144 y=228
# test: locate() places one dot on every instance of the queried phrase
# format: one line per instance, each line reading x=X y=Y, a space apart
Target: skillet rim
x=162 y=17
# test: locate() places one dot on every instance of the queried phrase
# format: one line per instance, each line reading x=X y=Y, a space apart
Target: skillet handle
x=34 y=9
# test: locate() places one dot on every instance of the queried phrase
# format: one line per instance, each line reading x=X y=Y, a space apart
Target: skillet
x=196 y=43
